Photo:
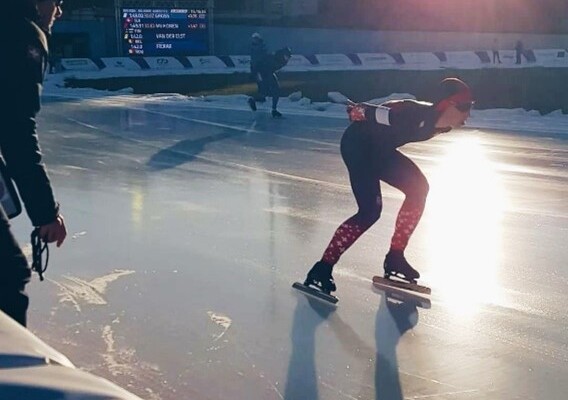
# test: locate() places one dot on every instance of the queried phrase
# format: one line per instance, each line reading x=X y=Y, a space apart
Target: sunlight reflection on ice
x=465 y=216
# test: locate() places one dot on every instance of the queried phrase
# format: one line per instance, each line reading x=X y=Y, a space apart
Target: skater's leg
x=275 y=99
x=273 y=88
x=405 y=175
x=357 y=155
x=361 y=161
x=261 y=96
x=252 y=103
x=366 y=190
x=252 y=99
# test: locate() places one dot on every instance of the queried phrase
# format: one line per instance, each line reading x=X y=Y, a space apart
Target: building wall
x=268 y=7
x=235 y=39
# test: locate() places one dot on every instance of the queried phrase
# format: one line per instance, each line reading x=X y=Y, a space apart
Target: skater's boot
x=320 y=277
x=396 y=265
x=252 y=103
x=276 y=114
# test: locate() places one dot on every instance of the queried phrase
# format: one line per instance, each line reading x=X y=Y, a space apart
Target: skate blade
x=403 y=296
x=315 y=293
x=379 y=280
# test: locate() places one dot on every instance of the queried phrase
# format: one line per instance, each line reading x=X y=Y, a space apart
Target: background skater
x=258 y=51
x=267 y=80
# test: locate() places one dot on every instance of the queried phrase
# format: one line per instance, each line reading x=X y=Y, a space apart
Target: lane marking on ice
x=221 y=320
x=76 y=290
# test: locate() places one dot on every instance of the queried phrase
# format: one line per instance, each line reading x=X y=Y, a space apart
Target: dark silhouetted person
x=519 y=51
x=495 y=50
x=258 y=51
x=266 y=76
x=26 y=28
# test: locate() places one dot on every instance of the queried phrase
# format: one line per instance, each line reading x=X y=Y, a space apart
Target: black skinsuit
x=267 y=68
x=369 y=150
x=21 y=72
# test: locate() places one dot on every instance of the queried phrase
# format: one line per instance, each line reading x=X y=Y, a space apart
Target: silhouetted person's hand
x=54 y=232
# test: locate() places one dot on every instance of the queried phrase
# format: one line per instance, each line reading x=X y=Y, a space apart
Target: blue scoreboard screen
x=165 y=32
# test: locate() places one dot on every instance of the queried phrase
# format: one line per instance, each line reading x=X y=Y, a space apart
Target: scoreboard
x=165 y=31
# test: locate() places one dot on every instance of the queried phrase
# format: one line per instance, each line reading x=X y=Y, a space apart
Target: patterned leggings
x=368 y=166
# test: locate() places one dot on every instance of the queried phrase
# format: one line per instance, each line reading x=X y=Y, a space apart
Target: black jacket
x=21 y=75
x=405 y=121
x=273 y=62
x=257 y=52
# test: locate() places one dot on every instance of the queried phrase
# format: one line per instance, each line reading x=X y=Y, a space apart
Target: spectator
x=495 y=49
x=27 y=27
x=519 y=50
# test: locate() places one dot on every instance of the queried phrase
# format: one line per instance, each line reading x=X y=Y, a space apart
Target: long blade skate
x=380 y=281
x=402 y=295
x=315 y=293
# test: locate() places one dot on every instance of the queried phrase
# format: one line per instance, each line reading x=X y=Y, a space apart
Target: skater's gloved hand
x=356 y=112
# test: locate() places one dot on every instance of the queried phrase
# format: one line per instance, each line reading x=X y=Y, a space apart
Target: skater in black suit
x=369 y=148
x=258 y=50
x=267 y=80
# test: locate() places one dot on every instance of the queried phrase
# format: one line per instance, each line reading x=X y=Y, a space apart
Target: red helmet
x=453 y=91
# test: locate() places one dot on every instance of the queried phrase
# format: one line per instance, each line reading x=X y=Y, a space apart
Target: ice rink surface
x=188 y=226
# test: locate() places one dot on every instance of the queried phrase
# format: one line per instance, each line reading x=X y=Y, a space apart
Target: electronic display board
x=165 y=31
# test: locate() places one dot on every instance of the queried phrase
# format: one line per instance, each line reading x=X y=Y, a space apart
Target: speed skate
x=317 y=293
x=380 y=281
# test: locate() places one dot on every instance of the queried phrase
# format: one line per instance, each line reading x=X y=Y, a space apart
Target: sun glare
x=465 y=213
